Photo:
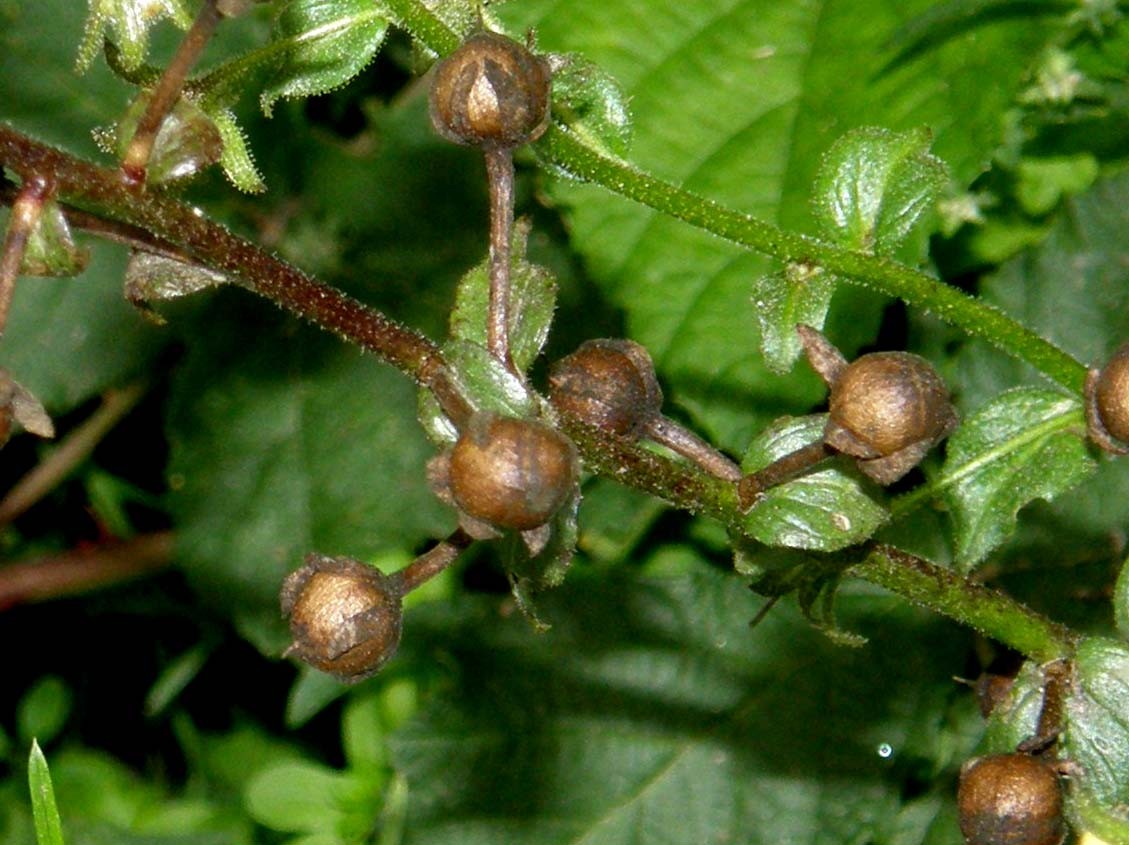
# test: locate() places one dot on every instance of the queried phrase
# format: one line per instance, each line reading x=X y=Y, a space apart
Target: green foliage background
x=650 y=713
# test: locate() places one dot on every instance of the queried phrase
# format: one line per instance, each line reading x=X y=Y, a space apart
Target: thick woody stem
x=500 y=175
x=26 y=210
x=161 y=101
x=432 y=562
x=684 y=442
x=785 y=468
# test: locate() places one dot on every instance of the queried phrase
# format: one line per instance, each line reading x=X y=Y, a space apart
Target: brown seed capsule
x=491 y=92
x=511 y=473
x=1010 y=799
x=888 y=409
x=345 y=616
x=608 y=383
x=1107 y=403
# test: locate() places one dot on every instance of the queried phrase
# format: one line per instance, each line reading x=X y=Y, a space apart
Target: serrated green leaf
x=295 y=444
x=533 y=300
x=327 y=43
x=798 y=294
x=651 y=714
x=1024 y=445
x=129 y=21
x=822 y=511
x=874 y=185
x=591 y=103
x=48 y=827
x=1097 y=732
x=738 y=101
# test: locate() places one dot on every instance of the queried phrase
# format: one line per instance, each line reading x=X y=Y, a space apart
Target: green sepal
x=800 y=293
x=187 y=142
x=533 y=299
x=1023 y=445
x=824 y=510
x=590 y=102
x=874 y=185
x=51 y=249
x=236 y=160
x=152 y=278
x=530 y=574
x=130 y=22
x=1016 y=718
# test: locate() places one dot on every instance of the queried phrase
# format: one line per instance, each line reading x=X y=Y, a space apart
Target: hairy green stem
x=174 y=227
x=884 y=275
x=989 y=611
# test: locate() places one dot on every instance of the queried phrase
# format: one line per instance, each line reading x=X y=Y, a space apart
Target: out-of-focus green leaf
x=1024 y=445
x=1121 y=602
x=822 y=511
x=294 y=443
x=43 y=710
x=48 y=827
x=650 y=713
x=1096 y=737
x=738 y=101
x=177 y=675
x=56 y=322
x=297 y=797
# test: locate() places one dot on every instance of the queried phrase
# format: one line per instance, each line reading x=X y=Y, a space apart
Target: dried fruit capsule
x=1010 y=799
x=1107 y=403
x=608 y=383
x=491 y=92
x=345 y=616
x=888 y=409
x=511 y=473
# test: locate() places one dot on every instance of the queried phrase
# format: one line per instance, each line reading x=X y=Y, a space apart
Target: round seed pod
x=1010 y=799
x=345 y=616
x=608 y=383
x=887 y=410
x=1108 y=395
x=491 y=92
x=511 y=473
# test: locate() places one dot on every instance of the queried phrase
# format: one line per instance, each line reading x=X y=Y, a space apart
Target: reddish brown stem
x=752 y=486
x=161 y=101
x=26 y=210
x=432 y=562
x=500 y=175
x=81 y=570
x=684 y=442
x=213 y=246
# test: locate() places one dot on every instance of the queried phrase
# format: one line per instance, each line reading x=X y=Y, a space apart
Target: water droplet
x=885 y=750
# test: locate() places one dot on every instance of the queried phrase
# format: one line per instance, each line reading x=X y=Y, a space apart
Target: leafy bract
x=322 y=45
x=1024 y=445
x=651 y=714
x=738 y=101
x=825 y=510
x=1097 y=738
